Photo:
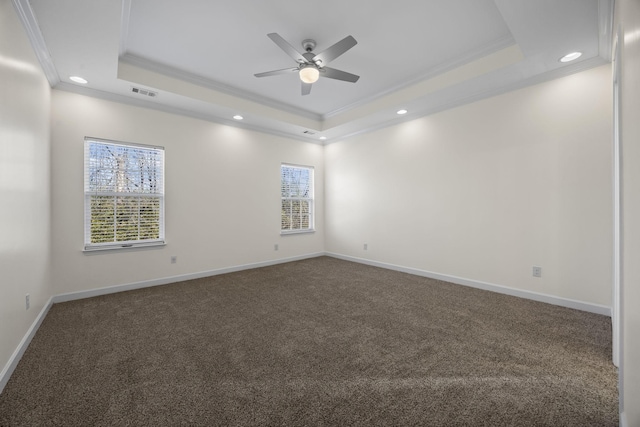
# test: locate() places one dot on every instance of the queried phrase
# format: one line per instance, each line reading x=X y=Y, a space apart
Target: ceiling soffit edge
x=143 y=103
x=177 y=86
x=424 y=88
x=442 y=68
x=531 y=81
x=166 y=70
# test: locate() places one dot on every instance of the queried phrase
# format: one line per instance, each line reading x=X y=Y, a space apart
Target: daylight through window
x=124 y=194
x=296 y=184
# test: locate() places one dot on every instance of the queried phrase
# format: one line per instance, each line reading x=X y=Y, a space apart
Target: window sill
x=289 y=232
x=122 y=246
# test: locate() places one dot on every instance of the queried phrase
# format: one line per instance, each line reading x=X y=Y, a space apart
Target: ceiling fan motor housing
x=309 y=57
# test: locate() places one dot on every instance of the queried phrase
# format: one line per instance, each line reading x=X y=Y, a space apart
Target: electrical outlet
x=275 y=247
x=174 y=259
x=27 y=301
x=365 y=246
x=537 y=271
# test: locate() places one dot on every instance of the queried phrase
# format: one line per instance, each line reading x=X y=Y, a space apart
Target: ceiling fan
x=310 y=65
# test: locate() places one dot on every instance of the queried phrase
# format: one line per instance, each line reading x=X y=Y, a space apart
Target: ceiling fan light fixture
x=309 y=64
x=309 y=74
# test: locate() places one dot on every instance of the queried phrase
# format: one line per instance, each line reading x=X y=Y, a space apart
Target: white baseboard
x=623 y=420
x=22 y=347
x=71 y=296
x=550 y=299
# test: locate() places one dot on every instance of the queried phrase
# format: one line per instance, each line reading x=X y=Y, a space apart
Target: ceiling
x=199 y=57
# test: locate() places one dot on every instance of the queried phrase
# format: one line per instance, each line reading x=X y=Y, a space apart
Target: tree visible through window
x=296 y=184
x=124 y=194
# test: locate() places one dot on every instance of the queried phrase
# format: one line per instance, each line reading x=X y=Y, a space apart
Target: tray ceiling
x=199 y=57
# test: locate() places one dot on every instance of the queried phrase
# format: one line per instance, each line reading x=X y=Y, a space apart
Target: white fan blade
x=284 y=45
x=276 y=72
x=334 y=51
x=332 y=73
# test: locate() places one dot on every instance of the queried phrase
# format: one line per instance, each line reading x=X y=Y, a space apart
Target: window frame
x=310 y=199
x=89 y=193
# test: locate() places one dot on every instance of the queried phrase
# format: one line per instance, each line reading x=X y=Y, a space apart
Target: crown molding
x=124 y=26
x=605 y=28
x=30 y=24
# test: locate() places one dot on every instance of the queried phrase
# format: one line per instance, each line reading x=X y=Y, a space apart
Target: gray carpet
x=315 y=342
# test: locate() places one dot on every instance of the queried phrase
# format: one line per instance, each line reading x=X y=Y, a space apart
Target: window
x=296 y=185
x=123 y=195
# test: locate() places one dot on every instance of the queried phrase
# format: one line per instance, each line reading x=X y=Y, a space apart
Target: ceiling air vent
x=145 y=92
x=308 y=132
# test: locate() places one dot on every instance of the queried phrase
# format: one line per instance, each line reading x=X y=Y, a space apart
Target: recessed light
x=323 y=138
x=571 y=56
x=78 y=79
x=238 y=117
x=401 y=112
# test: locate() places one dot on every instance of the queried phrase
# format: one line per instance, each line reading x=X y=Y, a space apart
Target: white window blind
x=296 y=185
x=124 y=194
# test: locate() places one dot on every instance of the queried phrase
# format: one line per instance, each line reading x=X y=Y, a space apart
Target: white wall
x=487 y=190
x=24 y=185
x=222 y=194
x=628 y=20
